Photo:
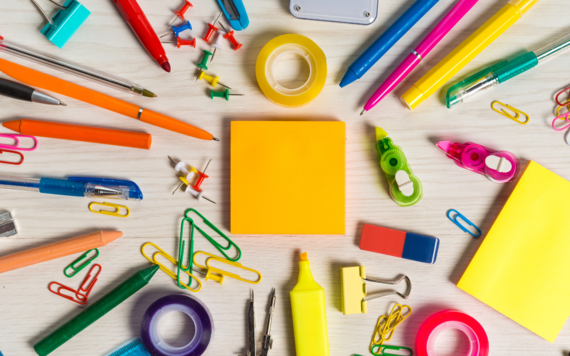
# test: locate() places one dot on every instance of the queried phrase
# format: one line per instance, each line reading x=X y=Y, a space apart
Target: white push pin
x=405 y=184
x=218 y=44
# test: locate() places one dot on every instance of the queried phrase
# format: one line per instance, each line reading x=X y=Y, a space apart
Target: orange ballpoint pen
x=41 y=80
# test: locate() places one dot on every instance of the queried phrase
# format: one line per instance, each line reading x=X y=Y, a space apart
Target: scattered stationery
x=522 y=260
x=266 y=155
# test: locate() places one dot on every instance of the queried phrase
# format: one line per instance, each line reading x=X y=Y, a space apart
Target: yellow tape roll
x=265 y=70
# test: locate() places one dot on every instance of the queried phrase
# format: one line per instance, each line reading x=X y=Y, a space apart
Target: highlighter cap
x=523 y=5
x=413 y=97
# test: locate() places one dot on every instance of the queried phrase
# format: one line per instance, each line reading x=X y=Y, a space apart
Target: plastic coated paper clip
x=459 y=215
x=181 y=245
x=90 y=282
x=60 y=291
x=16 y=145
x=13 y=152
x=112 y=213
x=354 y=295
x=386 y=325
x=218 y=246
x=517 y=112
x=73 y=264
x=382 y=350
x=173 y=275
x=218 y=275
x=81 y=295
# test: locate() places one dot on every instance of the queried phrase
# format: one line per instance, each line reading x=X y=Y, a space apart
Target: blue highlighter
x=386 y=41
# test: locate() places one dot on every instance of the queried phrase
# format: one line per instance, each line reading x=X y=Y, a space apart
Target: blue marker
x=76 y=187
x=386 y=41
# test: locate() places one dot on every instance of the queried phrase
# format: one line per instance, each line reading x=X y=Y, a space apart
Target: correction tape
x=498 y=166
x=405 y=188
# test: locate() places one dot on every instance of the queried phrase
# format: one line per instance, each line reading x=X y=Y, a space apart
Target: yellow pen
x=466 y=52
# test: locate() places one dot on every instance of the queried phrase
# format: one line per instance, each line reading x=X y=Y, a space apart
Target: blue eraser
x=66 y=22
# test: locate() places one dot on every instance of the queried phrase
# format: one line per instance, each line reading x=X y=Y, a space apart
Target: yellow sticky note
x=288 y=177
x=521 y=268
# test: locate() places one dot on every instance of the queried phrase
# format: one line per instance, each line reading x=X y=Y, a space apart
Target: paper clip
x=84 y=292
x=61 y=287
x=218 y=275
x=181 y=244
x=16 y=145
x=212 y=241
x=14 y=163
x=73 y=264
x=173 y=275
x=112 y=213
x=383 y=348
x=558 y=97
x=517 y=112
x=561 y=117
x=459 y=215
x=386 y=325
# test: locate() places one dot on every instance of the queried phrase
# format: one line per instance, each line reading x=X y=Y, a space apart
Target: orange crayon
x=80 y=133
x=57 y=250
x=41 y=80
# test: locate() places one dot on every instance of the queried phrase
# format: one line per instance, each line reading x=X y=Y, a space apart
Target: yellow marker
x=466 y=52
x=309 y=313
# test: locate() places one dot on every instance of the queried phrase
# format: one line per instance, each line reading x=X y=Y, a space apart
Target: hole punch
x=73 y=264
x=517 y=113
x=458 y=215
x=218 y=275
x=16 y=145
x=13 y=152
x=112 y=213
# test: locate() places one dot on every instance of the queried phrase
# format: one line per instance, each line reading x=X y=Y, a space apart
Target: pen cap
x=523 y=5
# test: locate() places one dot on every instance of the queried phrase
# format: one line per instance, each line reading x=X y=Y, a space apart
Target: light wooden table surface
x=29 y=311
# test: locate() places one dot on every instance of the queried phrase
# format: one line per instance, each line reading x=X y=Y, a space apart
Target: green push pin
x=222 y=94
x=203 y=65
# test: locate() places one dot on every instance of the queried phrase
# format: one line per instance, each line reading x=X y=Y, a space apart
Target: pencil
x=41 y=80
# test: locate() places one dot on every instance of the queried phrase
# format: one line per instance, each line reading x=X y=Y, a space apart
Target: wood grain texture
x=105 y=42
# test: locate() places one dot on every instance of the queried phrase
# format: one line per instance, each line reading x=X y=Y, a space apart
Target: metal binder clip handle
x=379 y=295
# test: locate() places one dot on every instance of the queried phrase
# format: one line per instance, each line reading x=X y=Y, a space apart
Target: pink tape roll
x=451 y=319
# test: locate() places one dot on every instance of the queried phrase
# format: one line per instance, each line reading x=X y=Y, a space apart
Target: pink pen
x=423 y=49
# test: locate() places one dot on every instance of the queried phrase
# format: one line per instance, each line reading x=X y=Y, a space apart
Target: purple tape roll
x=194 y=308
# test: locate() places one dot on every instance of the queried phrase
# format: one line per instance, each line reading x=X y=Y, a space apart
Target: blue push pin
x=179 y=29
x=65 y=22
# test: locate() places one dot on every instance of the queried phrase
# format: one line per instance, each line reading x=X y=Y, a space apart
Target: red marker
x=135 y=17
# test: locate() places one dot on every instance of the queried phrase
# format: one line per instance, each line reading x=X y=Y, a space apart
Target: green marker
x=222 y=94
x=95 y=311
x=405 y=188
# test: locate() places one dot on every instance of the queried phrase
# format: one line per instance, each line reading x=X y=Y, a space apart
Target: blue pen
x=388 y=39
x=76 y=187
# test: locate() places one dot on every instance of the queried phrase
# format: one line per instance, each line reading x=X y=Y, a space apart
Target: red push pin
x=180 y=42
x=230 y=36
x=180 y=13
x=211 y=29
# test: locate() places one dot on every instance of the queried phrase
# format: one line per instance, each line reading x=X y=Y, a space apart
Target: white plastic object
x=218 y=43
x=567 y=137
x=499 y=164
x=404 y=183
x=194 y=192
x=181 y=167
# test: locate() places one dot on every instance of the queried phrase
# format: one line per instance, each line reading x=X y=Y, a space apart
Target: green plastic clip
x=73 y=264
x=395 y=348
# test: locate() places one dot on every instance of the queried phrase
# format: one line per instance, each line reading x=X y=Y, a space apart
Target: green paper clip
x=388 y=347
x=181 y=245
x=220 y=248
x=73 y=264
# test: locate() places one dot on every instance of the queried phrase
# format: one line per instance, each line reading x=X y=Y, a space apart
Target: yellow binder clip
x=173 y=275
x=112 y=213
x=217 y=274
x=517 y=113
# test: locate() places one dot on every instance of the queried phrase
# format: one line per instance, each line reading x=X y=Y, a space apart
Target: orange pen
x=57 y=249
x=41 y=80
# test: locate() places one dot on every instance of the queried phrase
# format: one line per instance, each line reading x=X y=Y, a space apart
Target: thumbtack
x=178 y=29
x=222 y=94
x=211 y=29
x=204 y=64
x=231 y=38
x=218 y=44
x=65 y=23
x=212 y=80
x=180 y=13
x=180 y=42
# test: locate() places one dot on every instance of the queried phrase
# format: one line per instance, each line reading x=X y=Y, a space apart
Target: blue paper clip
x=65 y=22
x=235 y=13
x=459 y=215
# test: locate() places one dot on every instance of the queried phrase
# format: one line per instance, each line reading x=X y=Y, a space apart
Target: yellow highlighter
x=309 y=313
x=466 y=52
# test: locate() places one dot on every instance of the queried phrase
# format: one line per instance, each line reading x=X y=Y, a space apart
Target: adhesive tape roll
x=194 y=308
x=451 y=319
x=265 y=70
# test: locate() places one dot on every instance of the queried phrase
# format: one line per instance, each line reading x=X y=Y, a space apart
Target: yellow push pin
x=213 y=80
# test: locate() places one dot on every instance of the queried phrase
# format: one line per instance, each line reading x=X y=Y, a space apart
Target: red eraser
x=382 y=240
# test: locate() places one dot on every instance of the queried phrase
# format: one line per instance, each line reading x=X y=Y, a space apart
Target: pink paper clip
x=61 y=288
x=16 y=145
x=561 y=117
x=84 y=292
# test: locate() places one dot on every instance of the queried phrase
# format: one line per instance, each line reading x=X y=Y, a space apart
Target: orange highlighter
x=41 y=80
x=57 y=249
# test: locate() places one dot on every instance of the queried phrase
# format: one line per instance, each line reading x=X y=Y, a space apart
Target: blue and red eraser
x=398 y=243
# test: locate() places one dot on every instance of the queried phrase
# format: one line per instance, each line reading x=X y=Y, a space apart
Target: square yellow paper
x=521 y=268
x=288 y=177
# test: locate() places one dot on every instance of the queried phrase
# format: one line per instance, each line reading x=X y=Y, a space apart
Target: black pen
x=23 y=92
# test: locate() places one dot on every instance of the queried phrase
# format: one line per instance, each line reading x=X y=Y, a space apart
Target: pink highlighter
x=423 y=49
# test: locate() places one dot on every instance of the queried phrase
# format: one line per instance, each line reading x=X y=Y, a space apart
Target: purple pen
x=423 y=49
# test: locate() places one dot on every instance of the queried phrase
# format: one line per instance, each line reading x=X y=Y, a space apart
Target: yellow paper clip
x=386 y=325
x=112 y=213
x=217 y=274
x=515 y=117
x=162 y=253
x=558 y=110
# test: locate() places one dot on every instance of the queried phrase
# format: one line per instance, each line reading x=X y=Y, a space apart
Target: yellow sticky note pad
x=288 y=177
x=521 y=268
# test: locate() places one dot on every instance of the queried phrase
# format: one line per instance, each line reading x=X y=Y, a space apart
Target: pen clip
x=135 y=191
